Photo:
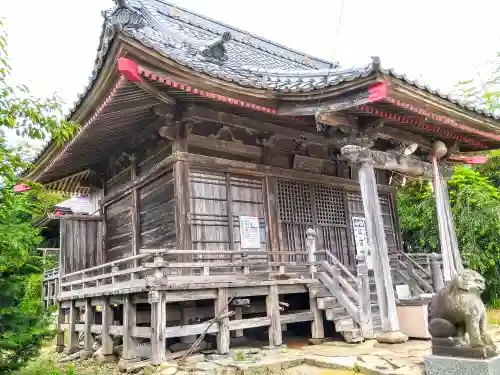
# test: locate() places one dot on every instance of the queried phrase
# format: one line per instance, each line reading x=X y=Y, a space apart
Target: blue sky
x=52 y=43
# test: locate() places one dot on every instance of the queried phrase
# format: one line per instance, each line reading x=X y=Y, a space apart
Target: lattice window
x=294 y=202
x=330 y=205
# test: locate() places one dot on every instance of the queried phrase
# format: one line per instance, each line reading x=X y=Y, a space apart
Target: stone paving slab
x=332 y=358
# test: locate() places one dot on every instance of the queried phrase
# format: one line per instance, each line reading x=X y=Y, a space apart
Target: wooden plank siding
x=217 y=202
x=157 y=213
x=80 y=244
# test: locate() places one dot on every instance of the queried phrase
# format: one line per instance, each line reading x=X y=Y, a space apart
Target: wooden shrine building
x=232 y=175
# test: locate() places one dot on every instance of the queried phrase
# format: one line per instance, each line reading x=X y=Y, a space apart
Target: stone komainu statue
x=457 y=316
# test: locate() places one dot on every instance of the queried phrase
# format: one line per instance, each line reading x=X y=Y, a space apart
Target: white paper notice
x=249 y=232
x=361 y=239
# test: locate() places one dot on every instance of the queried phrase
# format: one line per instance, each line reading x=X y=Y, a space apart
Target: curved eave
x=93 y=96
x=482 y=120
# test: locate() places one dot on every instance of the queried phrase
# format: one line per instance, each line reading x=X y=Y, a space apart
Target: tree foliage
x=474 y=196
x=480 y=92
x=475 y=206
x=23 y=322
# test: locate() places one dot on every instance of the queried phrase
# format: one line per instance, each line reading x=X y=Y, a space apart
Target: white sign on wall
x=361 y=239
x=249 y=232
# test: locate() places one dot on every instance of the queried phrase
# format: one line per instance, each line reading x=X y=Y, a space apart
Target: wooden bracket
x=223 y=133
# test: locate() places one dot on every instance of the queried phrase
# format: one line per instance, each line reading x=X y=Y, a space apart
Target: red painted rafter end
x=129 y=69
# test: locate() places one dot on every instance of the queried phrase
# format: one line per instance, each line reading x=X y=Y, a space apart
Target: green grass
x=48 y=364
x=493 y=317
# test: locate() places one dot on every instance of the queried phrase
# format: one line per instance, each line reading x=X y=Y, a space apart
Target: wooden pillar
x=188 y=313
x=60 y=334
x=182 y=196
x=129 y=324
x=284 y=326
x=136 y=231
x=317 y=327
x=238 y=315
x=72 y=334
x=157 y=299
x=107 y=321
x=272 y=214
x=223 y=336
x=436 y=273
x=455 y=251
x=88 y=340
x=381 y=266
x=273 y=312
x=181 y=188
x=365 y=305
x=447 y=237
x=311 y=251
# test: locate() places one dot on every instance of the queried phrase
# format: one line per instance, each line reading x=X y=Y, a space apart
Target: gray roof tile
x=249 y=60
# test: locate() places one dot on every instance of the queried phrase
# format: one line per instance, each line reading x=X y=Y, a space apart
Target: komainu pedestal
x=458 y=326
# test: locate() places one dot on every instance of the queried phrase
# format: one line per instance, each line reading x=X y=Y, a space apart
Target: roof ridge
x=244 y=34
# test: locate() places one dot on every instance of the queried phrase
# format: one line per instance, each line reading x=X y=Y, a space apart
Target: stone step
x=353 y=336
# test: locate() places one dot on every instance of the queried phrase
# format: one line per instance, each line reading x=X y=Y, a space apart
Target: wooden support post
x=107 y=321
x=238 y=315
x=182 y=194
x=311 y=248
x=60 y=334
x=376 y=236
x=317 y=326
x=436 y=273
x=273 y=312
x=447 y=237
x=365 y=305
x=223 y=336
x=88 y=340
x=455 y=252
x=188 y=314
x=284 y=326
x=72 y=334
x=412 y=283
x=136 y=232
x=129 y=323
x=273 y=224
x=114 y=276
x=158 y=324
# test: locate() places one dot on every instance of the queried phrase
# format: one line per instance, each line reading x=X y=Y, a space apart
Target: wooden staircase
x=351 y=301
x=345 y=299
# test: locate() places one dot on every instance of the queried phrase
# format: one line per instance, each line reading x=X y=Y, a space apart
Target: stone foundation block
x=441 y=365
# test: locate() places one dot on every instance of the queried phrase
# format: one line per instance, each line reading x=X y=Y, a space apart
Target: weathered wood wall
x=148 y=214
x=144 y=215
x=157 y=213
x=95 y=195
x=217 y=202
x=119 y=229
x=80 y=247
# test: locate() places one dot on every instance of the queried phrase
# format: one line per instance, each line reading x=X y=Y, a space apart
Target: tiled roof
x=246 y=59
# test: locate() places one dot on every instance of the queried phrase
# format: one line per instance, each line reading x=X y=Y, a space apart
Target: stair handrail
x=334 y=272
x=412 y=274
x=333 y=260
x=354 y=298
x=415 y=264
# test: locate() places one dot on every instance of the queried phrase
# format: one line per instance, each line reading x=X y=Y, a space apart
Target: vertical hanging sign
x=249 y=232
x=361 y=239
